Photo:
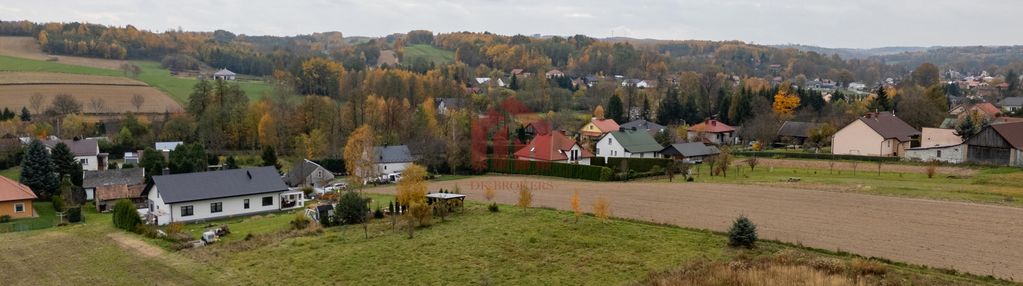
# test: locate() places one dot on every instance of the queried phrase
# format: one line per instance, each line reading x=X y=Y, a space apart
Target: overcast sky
x=829 y=23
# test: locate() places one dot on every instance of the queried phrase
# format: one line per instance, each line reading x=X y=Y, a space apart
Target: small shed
x=693 y=152
x=224 y=74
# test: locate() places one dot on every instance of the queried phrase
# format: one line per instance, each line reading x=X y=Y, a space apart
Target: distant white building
x=224 y=74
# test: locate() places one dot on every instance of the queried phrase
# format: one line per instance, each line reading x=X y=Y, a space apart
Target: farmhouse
x=1010 y=104
x=218 y=194
x=554 y=147
x=392 y=159
x=224 y=74
x=693 y=152
x=15 y=199
x=86 y=152
x=875 y=134
x=711 y=132
x=308 y=174
x=118 y=177
x=628 y=143
x=554 y=73
x=796 y=132
x=599 y=127
x=641 y=124
x=998 y=144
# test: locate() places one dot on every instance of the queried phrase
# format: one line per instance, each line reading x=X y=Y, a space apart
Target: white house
x=636 y=144
x=875 y=134
x=224 y=74
x=167 y=146
x=205 y=196
x=392 y=159
x=86 y=152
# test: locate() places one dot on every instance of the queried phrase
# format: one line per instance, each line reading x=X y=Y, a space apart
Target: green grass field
x=438 y=56
x=989 y=185
x=177 y=88
x=513 y=246
x=13 y=173
x=47 y=218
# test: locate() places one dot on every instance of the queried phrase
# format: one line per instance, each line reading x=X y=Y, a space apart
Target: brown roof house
x=15 y=199
x=599 y=127
x=874 y=134
x=711 y=132
x=108 y=186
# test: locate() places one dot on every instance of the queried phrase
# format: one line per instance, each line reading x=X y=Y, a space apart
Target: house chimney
x=247 y=173
x=713 y=123
x=166 y=171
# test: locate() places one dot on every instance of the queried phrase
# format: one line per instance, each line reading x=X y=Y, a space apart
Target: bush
x=541 y=168
x=300 y=222
x=492 y=207
x=306 y=191
x=489 y=193
x=378 y=214
x=126 y=217
x=351 y=208
x=74 y=214
x=175 y=228
x=146 y=230
x=743 y=233
x=525 y=196
x=864 y=267
x=932 y=168
x=605 y=174
x=420 y=212
x=58 y=203
x=822 y=156
x=601 y=208
x=5 y=218
x=638 y=164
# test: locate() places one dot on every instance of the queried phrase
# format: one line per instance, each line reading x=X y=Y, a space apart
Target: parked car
x=336 y=187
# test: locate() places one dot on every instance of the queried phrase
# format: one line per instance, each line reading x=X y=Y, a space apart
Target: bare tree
x=129 y=68
x=36 y=102
x=64 y=104
x=137 y=101
x=98 y=105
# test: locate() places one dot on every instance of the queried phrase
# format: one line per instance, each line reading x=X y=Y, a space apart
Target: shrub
x=378 y=214
x=638 y=164
x=601 y=208
x=743 y=233
x=5 y=218
x=605 y=174
x=351 y=208
x=300 y=222
x=441 y=208
x=125 y=216
x=306 y=191
x=865 y=267
x=932 y=168
x=146 y=230
x=525 y=196
x=58 y=203
x=492 y=207
x=175 y=228
x=575 y=205
x=420 y=212
x=74 y=214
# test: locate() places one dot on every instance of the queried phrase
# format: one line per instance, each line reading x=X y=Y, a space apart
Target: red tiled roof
x=119 y=191
x=14 y=191
x=540 y=126
x=550 y=147
x=987 y=108
x=711 y=126
x=605 y=125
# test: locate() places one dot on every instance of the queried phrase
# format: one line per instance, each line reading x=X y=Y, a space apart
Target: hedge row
x=336 y=166
x=821 y=156
x=542 y=168
x=636 y=164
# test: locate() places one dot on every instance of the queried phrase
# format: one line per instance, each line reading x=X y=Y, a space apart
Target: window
x=83 y=161
x=268 y=201
x=186 y=211
x=246 y=204
x=939 y=153
x=19 y=207
x=216 y=207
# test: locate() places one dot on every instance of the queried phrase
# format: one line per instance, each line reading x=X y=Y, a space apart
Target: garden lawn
x=431 y=53
x=46 y=218
x=13 y=173
x=989 y=185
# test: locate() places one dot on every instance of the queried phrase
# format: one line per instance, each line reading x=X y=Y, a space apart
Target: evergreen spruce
x=231 y=163
x=64 y=163
x=37 y=171
x=615 y=110
x=743 y=233
x=270 y=157
x=25 y=115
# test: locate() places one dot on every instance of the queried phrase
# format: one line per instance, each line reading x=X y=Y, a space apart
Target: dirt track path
x=979 y=239
x=136 y=245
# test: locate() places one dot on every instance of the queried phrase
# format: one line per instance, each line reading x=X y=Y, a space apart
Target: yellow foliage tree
x=525 y=197
x=359 y=158
x=267 y=130
x=412 y=186
x=785 y=101
x=575 y=206
x=598 y=112
x=314 y=143
x=489 y=193
x=601 y=208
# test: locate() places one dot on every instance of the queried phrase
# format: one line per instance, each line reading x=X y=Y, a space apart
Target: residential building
x=998 y=144
x=554 y=147
x=15 y=199
x=711 y=131
x=692 y=152
x=224 y=74
x=86 y=152
x=641 y=124
x=554 y=73
x=167 y=146
x=947 y=153
x=598 y=127
x=538 y=127
x=447 y=104
x=1011 y=104
x=628 y=143
x=93 y=180
x=392 y=159
x=308 y=174
x=796 y=132
x=875 y=134
x=219 y=194
x=934 y=137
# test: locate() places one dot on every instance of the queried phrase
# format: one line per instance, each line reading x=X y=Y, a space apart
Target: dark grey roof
x=692 y=149
x=451 y=102
x=130 y=176
x=218 y=184
x=300 y=172
x=82 y=147
x=393 y=154
x=1011 y=101
x=889 y=126
x=641 y=124
x=797 y=129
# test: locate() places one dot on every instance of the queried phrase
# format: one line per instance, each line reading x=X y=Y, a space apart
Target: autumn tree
x=925 y=75
x=314 y=144
x=525 y=197
x=598 y=112
x=412 y=186
x=360 y=157
x=785 y=101
x=320 y=76
x=575 y=206
x=64 y=104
